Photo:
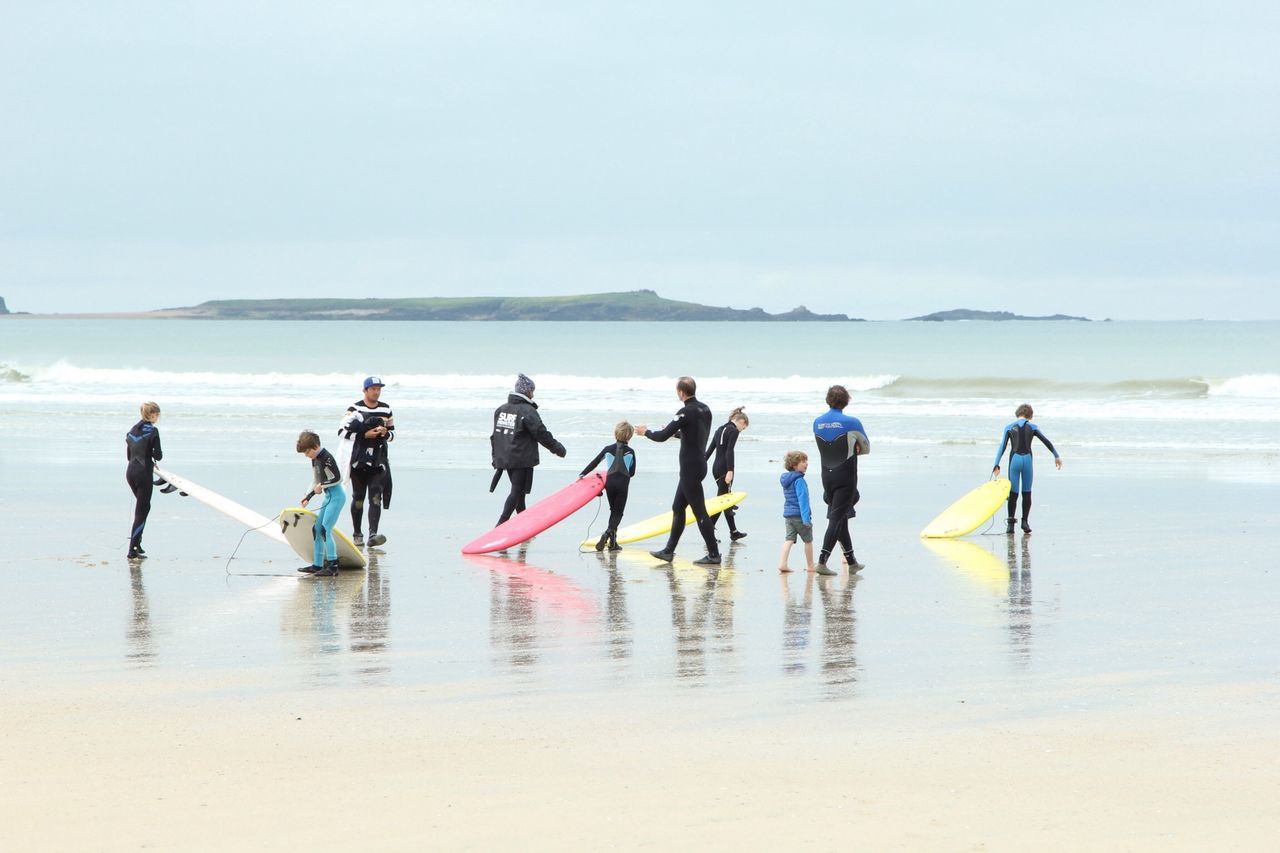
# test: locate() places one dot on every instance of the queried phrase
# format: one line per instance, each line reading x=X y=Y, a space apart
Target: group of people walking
x=368 y=428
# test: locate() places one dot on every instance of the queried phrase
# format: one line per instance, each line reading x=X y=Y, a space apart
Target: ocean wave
x=9 y=374
x=1264 y=386
x=1005 y=388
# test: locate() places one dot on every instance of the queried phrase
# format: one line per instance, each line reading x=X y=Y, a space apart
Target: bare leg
x=786 y=552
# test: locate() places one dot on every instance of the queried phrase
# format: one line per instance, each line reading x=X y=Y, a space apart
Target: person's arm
x=632 y=472
x=390 y=424
x=730 y=439
x=802 y=498
x=667 y=431
x=593 y=463
x=533 y=423
x=715 y=439
x=861 y=444
x=1004 y=440
x=157 y=454
x=1057 y=460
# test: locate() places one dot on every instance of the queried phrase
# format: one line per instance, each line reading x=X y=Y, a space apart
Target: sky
x=882 y=160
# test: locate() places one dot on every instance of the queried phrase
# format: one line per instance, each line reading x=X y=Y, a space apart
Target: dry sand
x=435 y=769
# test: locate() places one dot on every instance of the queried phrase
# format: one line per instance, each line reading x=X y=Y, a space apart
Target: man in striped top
x=370 y=426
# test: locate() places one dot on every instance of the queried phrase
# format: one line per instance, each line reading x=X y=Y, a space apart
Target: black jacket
x=517 y=431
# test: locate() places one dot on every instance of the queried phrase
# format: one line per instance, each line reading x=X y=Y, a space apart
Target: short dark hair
x=687 y=385
x=837 y=397
x=1024 y=411
x=307 y=440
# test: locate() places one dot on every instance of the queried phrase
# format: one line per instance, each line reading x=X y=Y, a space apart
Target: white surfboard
x=253 y=520
x=296 y=525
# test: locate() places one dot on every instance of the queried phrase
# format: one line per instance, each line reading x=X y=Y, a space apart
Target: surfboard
x=968 y=513
x=296 y=524
x=546 y=513
x=660 y=524
x=253 y=520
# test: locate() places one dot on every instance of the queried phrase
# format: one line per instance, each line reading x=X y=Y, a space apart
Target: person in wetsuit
x=841 y=440
x=370 y=426
x=722 y=446
x=326 y=479
x=693 y=424
x=1017 y=436
x=142 y=449
x=620 y=466
x=517 y=431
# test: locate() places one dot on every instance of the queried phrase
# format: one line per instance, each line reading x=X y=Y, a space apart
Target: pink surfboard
x=546 y=513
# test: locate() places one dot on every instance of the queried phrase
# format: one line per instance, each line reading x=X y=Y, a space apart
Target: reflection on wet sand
x=839 y=663
x=370 y=618
x=617 y=622
x=518 y=592
x=701 y=607
x=1019 y=595
x=140 y=649
x=314 y=620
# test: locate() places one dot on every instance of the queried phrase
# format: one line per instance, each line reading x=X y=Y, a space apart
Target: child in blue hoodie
x=796 y=515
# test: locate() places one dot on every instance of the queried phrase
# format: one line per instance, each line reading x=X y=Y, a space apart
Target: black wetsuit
x=142 y=449
x=517 y=431
x=617 y=482
x=693 y=424
x=370 y=468
x=722 y=445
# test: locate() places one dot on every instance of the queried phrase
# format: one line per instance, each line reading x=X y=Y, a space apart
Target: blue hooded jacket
x=795 y=497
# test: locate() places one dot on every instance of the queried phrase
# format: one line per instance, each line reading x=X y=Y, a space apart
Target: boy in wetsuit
x=142 y=449
x=326 y=479
x=722 y=445
x=1017 y=436
x=620 y=467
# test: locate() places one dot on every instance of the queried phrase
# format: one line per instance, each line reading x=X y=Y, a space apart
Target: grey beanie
x=524 y=385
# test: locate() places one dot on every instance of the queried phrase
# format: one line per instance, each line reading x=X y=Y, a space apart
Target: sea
x=1148 y=396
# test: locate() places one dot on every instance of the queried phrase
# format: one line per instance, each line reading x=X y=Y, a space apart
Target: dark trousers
x=521 y=485
x=616 y=487
x=689 y=496
x=140 y=483
x=723 y=488
x=840 y=500
x=368 y=481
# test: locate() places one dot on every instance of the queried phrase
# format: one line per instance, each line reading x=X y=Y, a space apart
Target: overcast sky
x=878 y=159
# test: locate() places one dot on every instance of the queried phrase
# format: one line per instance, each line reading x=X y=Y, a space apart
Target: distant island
x=970 y=314
x=634 y=305
x=3 y=308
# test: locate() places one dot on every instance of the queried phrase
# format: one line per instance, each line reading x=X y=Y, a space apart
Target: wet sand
x=1109 y=681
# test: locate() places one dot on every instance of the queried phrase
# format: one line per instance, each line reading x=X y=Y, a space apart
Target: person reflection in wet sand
x=1020 y=628
x=617 y=621
x=839 y=664
x=138 y=633
x=689 y=619
x=370 y=616
x=313 y=620
x=513 y=620
x=797 y=620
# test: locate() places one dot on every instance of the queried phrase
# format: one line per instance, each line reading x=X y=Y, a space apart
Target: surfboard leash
x=591 y=524
x=237 y=548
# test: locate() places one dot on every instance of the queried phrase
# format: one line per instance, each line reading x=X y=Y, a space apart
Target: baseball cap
x=371 y=381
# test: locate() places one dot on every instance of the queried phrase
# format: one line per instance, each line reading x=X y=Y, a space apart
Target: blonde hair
x=1024 y=411
x=149 y=410
x=794 y=458
x=308 y=440
x=623 y=431
x=740 y=414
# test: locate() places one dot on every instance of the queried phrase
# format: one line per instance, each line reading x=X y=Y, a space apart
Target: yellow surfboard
x=661 y=524
x=965 y=515
x=296 y=524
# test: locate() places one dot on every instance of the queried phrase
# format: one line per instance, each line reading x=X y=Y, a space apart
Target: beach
x=1107 y=682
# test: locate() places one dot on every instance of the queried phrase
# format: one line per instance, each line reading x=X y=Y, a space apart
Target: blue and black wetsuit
x=1017 y=437
x=142 y=449
x=693 y=424
x=722 y=446
x=620 y=466
x=325 y=472
x=841 y=440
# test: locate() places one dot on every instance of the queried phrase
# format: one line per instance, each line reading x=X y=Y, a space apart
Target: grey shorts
x=796 y=527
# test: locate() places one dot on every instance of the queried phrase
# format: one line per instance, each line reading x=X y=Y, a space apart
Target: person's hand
x=995 y=472
x=641 y=429
x=560 y=451
x=318 y=489
x=1057 y=462
x=728 y=478
x=304 y=500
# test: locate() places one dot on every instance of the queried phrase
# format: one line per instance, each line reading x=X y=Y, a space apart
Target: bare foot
x=784 y=568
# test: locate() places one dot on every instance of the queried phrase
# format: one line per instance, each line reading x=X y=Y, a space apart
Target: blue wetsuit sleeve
x=1004 y=440
x=802 y=498
x=1047 y=443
